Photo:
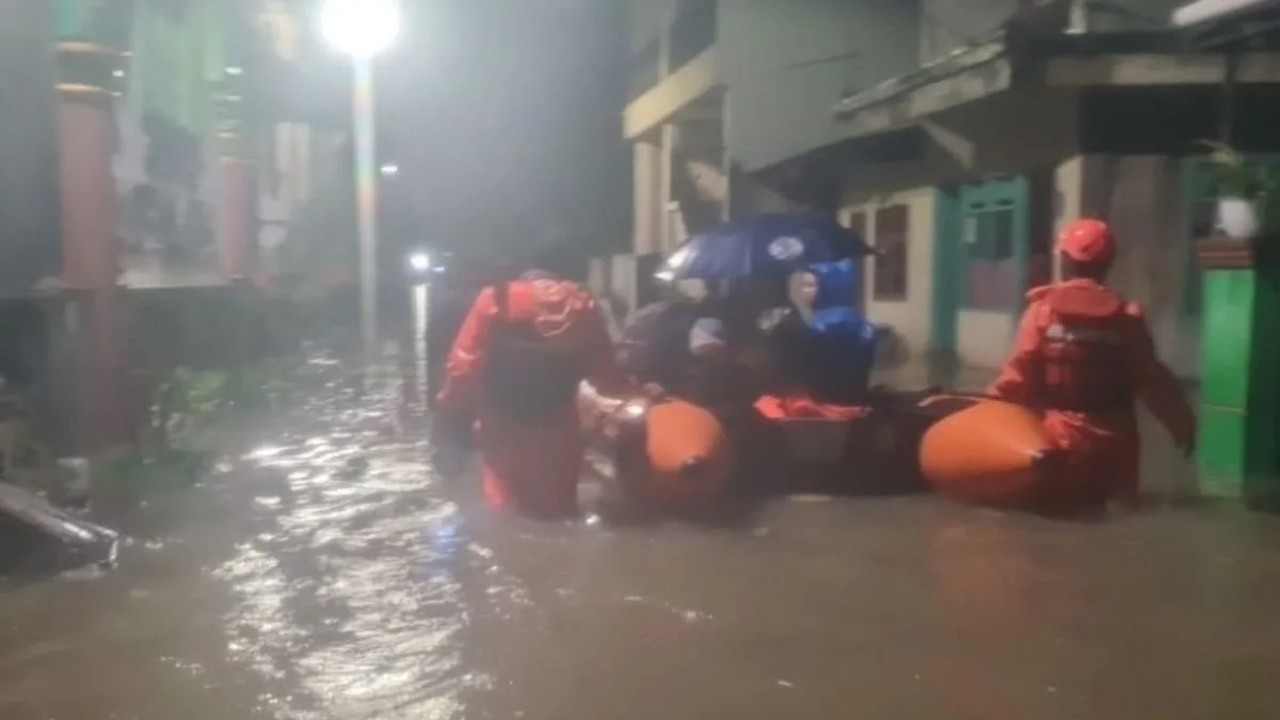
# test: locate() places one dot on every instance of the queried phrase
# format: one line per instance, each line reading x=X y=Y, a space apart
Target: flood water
x=322 y=572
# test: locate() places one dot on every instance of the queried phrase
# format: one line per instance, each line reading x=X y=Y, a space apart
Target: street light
x=363 y=29
x=420 y=261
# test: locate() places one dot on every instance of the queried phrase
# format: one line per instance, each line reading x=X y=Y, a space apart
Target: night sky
x=505 y=117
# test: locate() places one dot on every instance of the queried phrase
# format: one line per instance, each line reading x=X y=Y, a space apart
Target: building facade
x=723 y=90
x=138 y=132
x=1023 y=119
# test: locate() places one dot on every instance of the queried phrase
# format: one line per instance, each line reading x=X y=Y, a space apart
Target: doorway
x=981 y=261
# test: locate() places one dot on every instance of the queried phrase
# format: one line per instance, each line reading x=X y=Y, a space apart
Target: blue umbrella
x=762 y=245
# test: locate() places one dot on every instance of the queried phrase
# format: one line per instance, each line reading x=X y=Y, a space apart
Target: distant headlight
x=420 y=261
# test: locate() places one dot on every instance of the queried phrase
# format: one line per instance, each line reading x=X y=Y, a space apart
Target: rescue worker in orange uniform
x=516 y=365
x=1083 y=356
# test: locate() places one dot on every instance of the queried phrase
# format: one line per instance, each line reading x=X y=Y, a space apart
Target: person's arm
x=466 y=358
x=1157 y=387
x=1020 y=376
x=603 y=369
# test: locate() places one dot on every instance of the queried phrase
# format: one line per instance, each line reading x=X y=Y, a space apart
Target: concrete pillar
x=90 y=245
x=235 y=216
x=237 y=219
x=236 y=187
x=1068 y=199
x=647 y=190
x=1240 y=387
x=666 y=185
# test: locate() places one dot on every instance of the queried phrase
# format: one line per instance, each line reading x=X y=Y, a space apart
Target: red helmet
x=1088 y=241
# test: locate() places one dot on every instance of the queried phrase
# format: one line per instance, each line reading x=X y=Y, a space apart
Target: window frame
x=899 y=291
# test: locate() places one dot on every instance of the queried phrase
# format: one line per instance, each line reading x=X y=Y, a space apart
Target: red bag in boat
x=775 y=407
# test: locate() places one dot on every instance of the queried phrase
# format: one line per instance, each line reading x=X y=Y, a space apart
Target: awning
x=1165 y=56
x=968 y=74
x=1208 y=10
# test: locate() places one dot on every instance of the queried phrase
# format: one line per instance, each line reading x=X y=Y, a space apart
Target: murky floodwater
x=323 y=572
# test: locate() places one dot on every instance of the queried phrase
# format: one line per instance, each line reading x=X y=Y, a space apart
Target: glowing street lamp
x=363 y=29
x=360 y=28
x=420 y=261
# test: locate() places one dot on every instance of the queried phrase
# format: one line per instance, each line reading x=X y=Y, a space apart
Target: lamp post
x=363 y=29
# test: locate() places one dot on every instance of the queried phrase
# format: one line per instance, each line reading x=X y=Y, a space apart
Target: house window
x=991 y=269
x=889 y=281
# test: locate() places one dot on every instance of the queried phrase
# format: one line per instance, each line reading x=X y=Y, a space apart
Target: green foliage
x=195 y=394
x=182 y=402
x=134 y=473
x=256 y=388
x=1236 y=176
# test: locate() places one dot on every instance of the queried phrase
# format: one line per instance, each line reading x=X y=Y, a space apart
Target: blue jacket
x=843 y=344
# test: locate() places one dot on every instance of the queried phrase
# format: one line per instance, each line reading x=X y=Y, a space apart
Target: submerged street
x=322 y=572
x=1020 y=254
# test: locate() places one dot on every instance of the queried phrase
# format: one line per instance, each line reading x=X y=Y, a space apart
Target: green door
x=980 y=252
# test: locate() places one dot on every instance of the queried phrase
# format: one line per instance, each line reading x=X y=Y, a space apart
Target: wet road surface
x=324 y=573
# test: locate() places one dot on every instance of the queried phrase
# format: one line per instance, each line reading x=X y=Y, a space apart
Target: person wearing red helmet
x=1084 y=356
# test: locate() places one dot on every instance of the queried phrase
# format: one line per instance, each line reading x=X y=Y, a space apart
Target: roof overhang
x=964 y=76
x=676 y=92
x=1151 y=69
x=1213 y=10
x=1148 y=58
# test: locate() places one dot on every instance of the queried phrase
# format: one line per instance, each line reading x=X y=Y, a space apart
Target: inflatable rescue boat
x=669 y=455
x=675 y=456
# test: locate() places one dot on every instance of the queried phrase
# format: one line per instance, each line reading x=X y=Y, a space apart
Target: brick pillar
x=235 y=216
x=90 y=246
x=236 y=187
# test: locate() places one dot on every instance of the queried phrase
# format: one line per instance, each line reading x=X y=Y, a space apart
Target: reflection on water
x=324 y=573
x=352 y=598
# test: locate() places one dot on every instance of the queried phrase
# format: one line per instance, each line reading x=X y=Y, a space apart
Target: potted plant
x=1246 y=192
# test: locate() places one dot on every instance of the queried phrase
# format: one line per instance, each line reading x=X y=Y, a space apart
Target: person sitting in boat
x=721 y=377
x=654 y=347
x=684 y=349
x=825 y=347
